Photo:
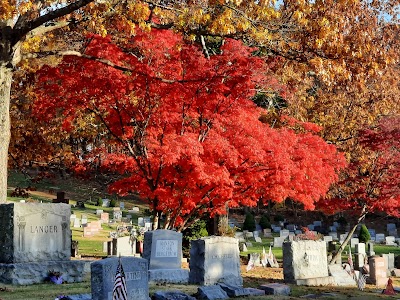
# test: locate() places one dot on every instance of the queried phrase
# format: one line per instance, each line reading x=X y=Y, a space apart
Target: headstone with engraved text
x=163 y=249
x=136 y=278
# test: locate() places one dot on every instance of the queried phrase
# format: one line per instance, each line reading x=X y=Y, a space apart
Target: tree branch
x=23 y=28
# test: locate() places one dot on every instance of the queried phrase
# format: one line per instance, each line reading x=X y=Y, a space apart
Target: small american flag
x=362 y=279
x=119 y=290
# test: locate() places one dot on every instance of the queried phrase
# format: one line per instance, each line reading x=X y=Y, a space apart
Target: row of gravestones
x=214 y=264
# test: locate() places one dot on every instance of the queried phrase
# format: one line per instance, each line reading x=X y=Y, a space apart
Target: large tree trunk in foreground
x=346 y=241
x=5 y=88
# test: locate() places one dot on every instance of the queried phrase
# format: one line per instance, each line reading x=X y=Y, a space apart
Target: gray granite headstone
x=304 y=259
x=36 y=238
x=390 y=226
x=33 y=232
x=215 y=259
x=141 y=222
x=163 y=249
x=103 y=276
x=379 y=238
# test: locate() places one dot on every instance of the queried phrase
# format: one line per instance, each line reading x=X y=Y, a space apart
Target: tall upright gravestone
x=214 y=260
x=35 y=238
x=305 y=263
x=163 y=250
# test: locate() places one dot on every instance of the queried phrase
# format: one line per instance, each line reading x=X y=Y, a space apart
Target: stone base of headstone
x=168 y=295
x=32 y=273
x=211 y=292
x=341 y=276
x=238 y=291
x=80 y=297
x=276 y=289
x=395 y=272
x=316 y=281
x=169 y=276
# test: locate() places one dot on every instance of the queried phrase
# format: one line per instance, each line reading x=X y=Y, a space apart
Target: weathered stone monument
x=305 y=263
x=163 y=250
x=35 y=239
x=215 y=259
x=103 y=276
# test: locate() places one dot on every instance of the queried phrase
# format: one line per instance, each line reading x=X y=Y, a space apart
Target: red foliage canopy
x=188 y=135
x=373 y=181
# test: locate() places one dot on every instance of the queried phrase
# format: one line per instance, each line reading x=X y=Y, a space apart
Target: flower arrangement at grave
x=308 y=235
x=55 y=277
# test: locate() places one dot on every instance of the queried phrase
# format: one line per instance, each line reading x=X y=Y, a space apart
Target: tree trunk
x=346 y=241
x=5 y=89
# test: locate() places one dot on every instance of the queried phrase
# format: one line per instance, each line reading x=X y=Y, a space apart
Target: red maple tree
x=181 y=128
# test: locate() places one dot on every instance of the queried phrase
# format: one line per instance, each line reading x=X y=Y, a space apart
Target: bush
x=193 y=232
x=342 y=221
x=100 y=202
x=249 y=223
x=264 y=222
x=223 y=227
x=113 y=203
x=364 y=236
x=279 y=218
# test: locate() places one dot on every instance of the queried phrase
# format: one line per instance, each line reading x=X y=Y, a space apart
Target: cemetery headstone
x=278 y=241
x=276 y=229
x=390 y=241
x=77 y=223
x=84 y=219
x=304 y=260
x=389 y=259
x=106 y=203
x=117 y=215
x=334 y=235
x=148 y=226
x=359 y=256
x=267 y=232
x=36 y=238
x=99 y=212
x=215 y=259
x=284 y=233
x=353 y=242
x=141 y=222
x=134 y=210
x=105 y=217
x=61 y=198
x=377 y=271
x=370 y=249
x=103 y=277
x=258 y=239
x=122 y=205
x=379 y=238
x=390 y=226
x=163 y=249
x=291 y=227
